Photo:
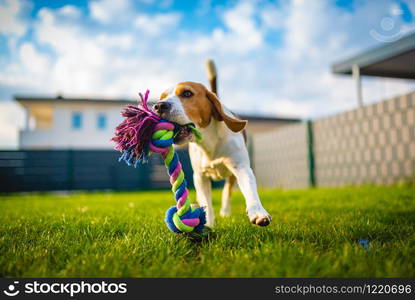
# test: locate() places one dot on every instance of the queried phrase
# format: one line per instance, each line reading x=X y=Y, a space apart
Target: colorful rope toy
x=143 y=132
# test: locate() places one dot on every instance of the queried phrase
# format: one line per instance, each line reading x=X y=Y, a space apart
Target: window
x=101 y=121
x=76 y=120
x=42 y=115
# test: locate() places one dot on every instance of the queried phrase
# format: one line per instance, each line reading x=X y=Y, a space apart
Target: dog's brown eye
x=187 y=94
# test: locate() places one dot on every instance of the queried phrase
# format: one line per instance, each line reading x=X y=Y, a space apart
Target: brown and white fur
x=222 y=154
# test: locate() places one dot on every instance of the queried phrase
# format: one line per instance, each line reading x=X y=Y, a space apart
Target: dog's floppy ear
x=233 y=124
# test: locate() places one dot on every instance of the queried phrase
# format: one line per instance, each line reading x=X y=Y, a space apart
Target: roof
x=79 y=100
x=267 y=119
x=394 y=60
x=259 y=118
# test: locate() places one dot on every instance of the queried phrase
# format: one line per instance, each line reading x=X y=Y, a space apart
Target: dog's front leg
x=247 y=183
x=203 y=187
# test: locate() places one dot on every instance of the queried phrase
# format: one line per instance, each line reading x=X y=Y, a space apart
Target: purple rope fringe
x=133 y=135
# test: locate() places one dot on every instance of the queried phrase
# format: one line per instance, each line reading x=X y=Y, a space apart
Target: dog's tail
x=213 y=81
x=212 y=76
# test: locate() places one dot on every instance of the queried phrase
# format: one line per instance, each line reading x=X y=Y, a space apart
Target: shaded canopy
x=394 y=60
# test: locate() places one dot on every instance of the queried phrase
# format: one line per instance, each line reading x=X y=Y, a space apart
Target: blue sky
x=273 y=57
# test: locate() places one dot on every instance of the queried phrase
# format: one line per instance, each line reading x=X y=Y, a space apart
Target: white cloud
x=240 y=19
x=80 y=62
x=155 y=24
x=287 y=107
x=28 y=70
x=120 y=41
x=70 y=11
x=105 y=64
x=11 y=23
x=242 y=35
x=32 y=59
x=107 y=11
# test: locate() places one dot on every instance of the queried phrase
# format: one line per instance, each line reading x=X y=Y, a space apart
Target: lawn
x=347 y=232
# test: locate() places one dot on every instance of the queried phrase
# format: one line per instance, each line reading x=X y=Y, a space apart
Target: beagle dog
x=222 y=154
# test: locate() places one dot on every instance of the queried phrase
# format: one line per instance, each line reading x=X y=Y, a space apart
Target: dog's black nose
x=162 y=106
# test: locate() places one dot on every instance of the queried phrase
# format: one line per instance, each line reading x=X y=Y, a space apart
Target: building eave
x=26 y=99
x=393 y=60
x=267 y=119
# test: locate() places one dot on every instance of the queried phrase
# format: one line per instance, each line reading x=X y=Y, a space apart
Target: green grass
x=314 y=234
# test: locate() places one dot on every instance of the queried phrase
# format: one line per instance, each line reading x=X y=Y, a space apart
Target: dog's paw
x=259 y=216
x=225 y=212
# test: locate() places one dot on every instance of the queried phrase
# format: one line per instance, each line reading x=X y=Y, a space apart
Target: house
x=83 y=123
x=75 y=123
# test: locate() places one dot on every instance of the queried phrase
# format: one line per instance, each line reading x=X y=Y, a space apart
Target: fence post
x=70 y=170
x=310 y=154
x=250 y=146
x=113 y=177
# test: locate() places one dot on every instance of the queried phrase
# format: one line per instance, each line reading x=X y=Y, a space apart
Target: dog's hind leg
x=225 y=209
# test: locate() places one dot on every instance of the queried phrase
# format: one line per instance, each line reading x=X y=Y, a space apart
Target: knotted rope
x=143 y=132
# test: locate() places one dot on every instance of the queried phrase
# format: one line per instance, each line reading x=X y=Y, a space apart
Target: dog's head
x=191 y=102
